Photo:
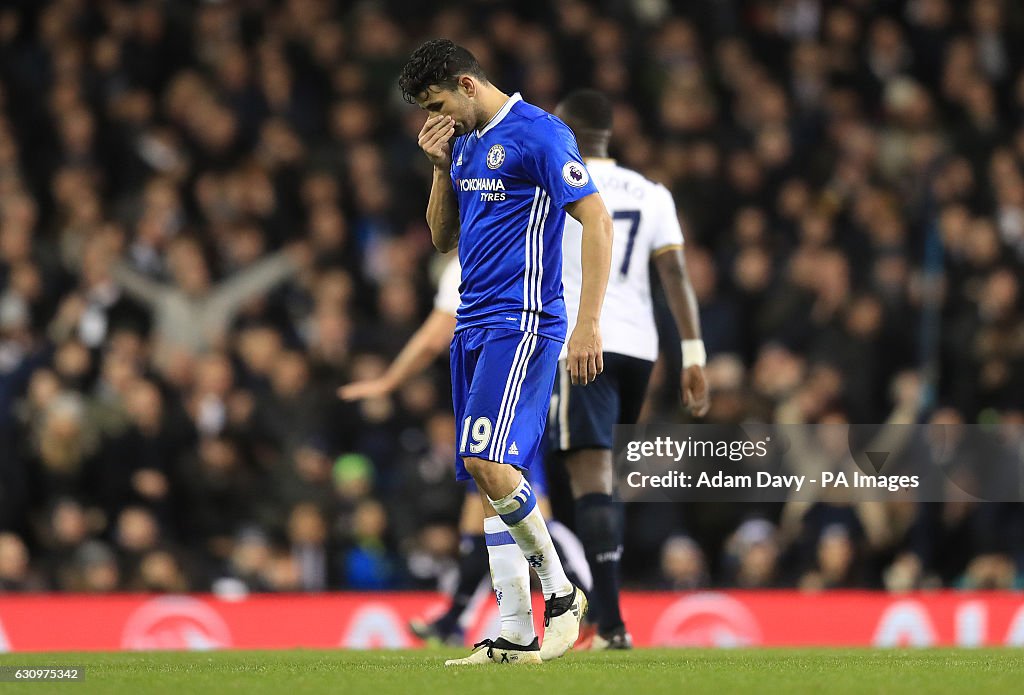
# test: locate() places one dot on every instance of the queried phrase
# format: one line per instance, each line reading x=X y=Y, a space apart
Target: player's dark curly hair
x=587 y=108
x=438 y=62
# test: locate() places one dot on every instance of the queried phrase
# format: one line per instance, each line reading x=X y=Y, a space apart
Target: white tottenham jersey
x=447 y=297
x=645 y=222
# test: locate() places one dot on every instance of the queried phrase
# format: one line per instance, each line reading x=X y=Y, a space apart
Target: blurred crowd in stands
x=211 y=216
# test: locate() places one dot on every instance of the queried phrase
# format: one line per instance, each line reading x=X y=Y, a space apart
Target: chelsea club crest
x=495 y=156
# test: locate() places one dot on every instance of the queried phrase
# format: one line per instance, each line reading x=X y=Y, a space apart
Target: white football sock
x=510 y=577
x=526 y=525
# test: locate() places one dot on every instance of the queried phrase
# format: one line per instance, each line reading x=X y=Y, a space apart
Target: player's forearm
x=423 y=348
x=443 y=213
x=682 y=301
x=596 y=254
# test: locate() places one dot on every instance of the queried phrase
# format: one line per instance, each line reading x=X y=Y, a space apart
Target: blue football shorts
x=501 y=390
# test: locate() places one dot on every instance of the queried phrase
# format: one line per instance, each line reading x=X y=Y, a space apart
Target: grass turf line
x=640 y=672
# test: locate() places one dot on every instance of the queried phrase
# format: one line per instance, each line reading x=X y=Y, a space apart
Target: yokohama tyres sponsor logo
x=480 y=184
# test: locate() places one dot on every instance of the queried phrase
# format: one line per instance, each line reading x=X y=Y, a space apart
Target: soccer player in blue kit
x=505 y=174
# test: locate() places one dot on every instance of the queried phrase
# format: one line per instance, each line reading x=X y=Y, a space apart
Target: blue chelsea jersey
x=513 y=179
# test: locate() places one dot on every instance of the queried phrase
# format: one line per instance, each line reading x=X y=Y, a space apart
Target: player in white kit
x=581 y=421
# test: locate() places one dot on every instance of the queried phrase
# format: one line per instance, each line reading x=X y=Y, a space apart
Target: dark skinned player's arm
x=682 y=301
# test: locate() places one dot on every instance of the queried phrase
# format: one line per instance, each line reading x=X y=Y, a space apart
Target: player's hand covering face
x=586 y=357
x=435 y=140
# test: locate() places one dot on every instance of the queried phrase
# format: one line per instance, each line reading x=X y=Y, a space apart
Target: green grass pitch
x=640 y=672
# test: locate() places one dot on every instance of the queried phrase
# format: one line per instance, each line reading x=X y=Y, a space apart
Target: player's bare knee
x=487 y=474
x=494 y=479
x=478 y=468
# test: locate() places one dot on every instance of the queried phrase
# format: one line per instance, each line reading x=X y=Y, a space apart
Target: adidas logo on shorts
x=513 y=450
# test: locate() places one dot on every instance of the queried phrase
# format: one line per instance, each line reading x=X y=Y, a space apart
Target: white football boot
x=562 y=618
x=499 y=651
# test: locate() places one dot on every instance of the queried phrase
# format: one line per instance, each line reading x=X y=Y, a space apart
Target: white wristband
x=693 y=353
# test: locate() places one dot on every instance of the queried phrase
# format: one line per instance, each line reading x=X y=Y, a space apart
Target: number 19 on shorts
x=479 y=431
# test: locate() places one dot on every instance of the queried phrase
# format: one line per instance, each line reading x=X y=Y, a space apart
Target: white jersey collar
x=502 y=112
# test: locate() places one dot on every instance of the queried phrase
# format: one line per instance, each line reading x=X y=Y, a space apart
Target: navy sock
x=473 y=568
x=599 y=527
